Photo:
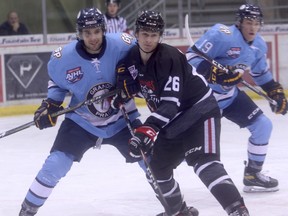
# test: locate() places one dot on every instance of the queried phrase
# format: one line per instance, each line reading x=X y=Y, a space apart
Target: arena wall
x=23 y=63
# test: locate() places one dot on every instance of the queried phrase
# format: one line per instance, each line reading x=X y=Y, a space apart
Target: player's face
x=148 y=40
x=93 y=38
x=249 y=29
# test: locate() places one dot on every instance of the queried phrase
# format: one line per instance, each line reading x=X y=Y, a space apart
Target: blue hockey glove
x=42 y=116
x=126 y=82
x=144 y=137
x=219 y=76
x=275 y=91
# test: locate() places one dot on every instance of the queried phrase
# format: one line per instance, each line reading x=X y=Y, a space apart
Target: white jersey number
x=172 y=84
x=206 y=46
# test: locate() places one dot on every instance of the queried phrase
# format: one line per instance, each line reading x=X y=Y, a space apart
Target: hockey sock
x=55 y=167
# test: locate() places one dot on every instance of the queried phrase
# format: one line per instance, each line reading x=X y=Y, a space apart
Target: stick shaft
x=61 y=112
x=14 y=130
x=149 y=171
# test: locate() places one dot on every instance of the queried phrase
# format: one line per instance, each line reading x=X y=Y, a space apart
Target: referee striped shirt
x=115 y=24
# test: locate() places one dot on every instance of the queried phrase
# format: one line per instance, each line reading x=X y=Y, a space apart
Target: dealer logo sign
x=24 y=68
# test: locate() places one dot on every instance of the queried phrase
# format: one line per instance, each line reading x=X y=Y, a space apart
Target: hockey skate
x=241 y=211
x=258 y=182
x=237 y=208
x=28 y=210
x=185 y=211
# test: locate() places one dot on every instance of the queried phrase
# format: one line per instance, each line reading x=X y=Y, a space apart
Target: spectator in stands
x=114 y=22
x=13 y=26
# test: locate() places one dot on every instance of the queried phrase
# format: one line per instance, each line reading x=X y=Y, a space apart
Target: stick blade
x=187 y=31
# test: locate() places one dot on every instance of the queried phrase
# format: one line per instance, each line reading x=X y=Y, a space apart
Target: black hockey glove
x=219 y=76
x=42 y=116
x=118 y=100
x=275 y=91
x=143 y=139
x=126 y=82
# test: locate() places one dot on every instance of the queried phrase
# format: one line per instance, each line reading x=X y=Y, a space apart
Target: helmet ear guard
x=150 y=21
x=248 y=11
x=89 y=18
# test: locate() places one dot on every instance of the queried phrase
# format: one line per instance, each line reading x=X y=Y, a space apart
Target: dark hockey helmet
x=113 y=1
x=90 y=18
x=248 y=11
x=150 y=21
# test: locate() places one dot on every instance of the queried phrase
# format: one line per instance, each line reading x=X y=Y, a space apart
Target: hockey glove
x=143 y=139
x=275 y=91
x=118 y=100
x=126 y=82
x=42 y=116
x=219 y=76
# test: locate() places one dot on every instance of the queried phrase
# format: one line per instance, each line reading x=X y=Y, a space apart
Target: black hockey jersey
x=168 y=83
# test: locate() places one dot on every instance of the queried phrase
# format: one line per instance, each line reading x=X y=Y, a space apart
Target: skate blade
x=256 y=189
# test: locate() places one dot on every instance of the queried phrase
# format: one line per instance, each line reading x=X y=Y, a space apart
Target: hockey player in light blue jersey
x=241 y=48
x=84 y=68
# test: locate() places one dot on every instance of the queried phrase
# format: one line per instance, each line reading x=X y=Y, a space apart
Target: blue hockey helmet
x=151 y=21
x=90 y=18
x=248 y=11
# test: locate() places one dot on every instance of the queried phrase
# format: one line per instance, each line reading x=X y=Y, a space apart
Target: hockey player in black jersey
x=185 y=118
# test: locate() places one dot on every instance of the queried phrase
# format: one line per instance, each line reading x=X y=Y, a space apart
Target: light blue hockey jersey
x=226 y=45
x=73 y=71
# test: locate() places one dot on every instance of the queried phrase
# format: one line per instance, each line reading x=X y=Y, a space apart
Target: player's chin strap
x=149 y=171
x=220 y=66
x=96 y=99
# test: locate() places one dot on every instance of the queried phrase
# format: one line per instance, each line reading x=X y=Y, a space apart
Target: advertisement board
x=23 y=59
x=26 y=75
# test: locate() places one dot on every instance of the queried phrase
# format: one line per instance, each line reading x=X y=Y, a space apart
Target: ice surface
x=103 y=185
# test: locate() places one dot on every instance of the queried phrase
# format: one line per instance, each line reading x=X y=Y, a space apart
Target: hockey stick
x=148 y=167
x=220 y=66
x=96 y=99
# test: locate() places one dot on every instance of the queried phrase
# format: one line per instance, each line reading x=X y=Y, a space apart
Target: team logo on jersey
x=96 y=63
x=133 y=71
x=74 y=75
x=149 y=85
x=234 y=52
x=148 y=91
x=102 y=109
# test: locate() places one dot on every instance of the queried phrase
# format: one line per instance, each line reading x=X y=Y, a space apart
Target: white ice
x=103 y=185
